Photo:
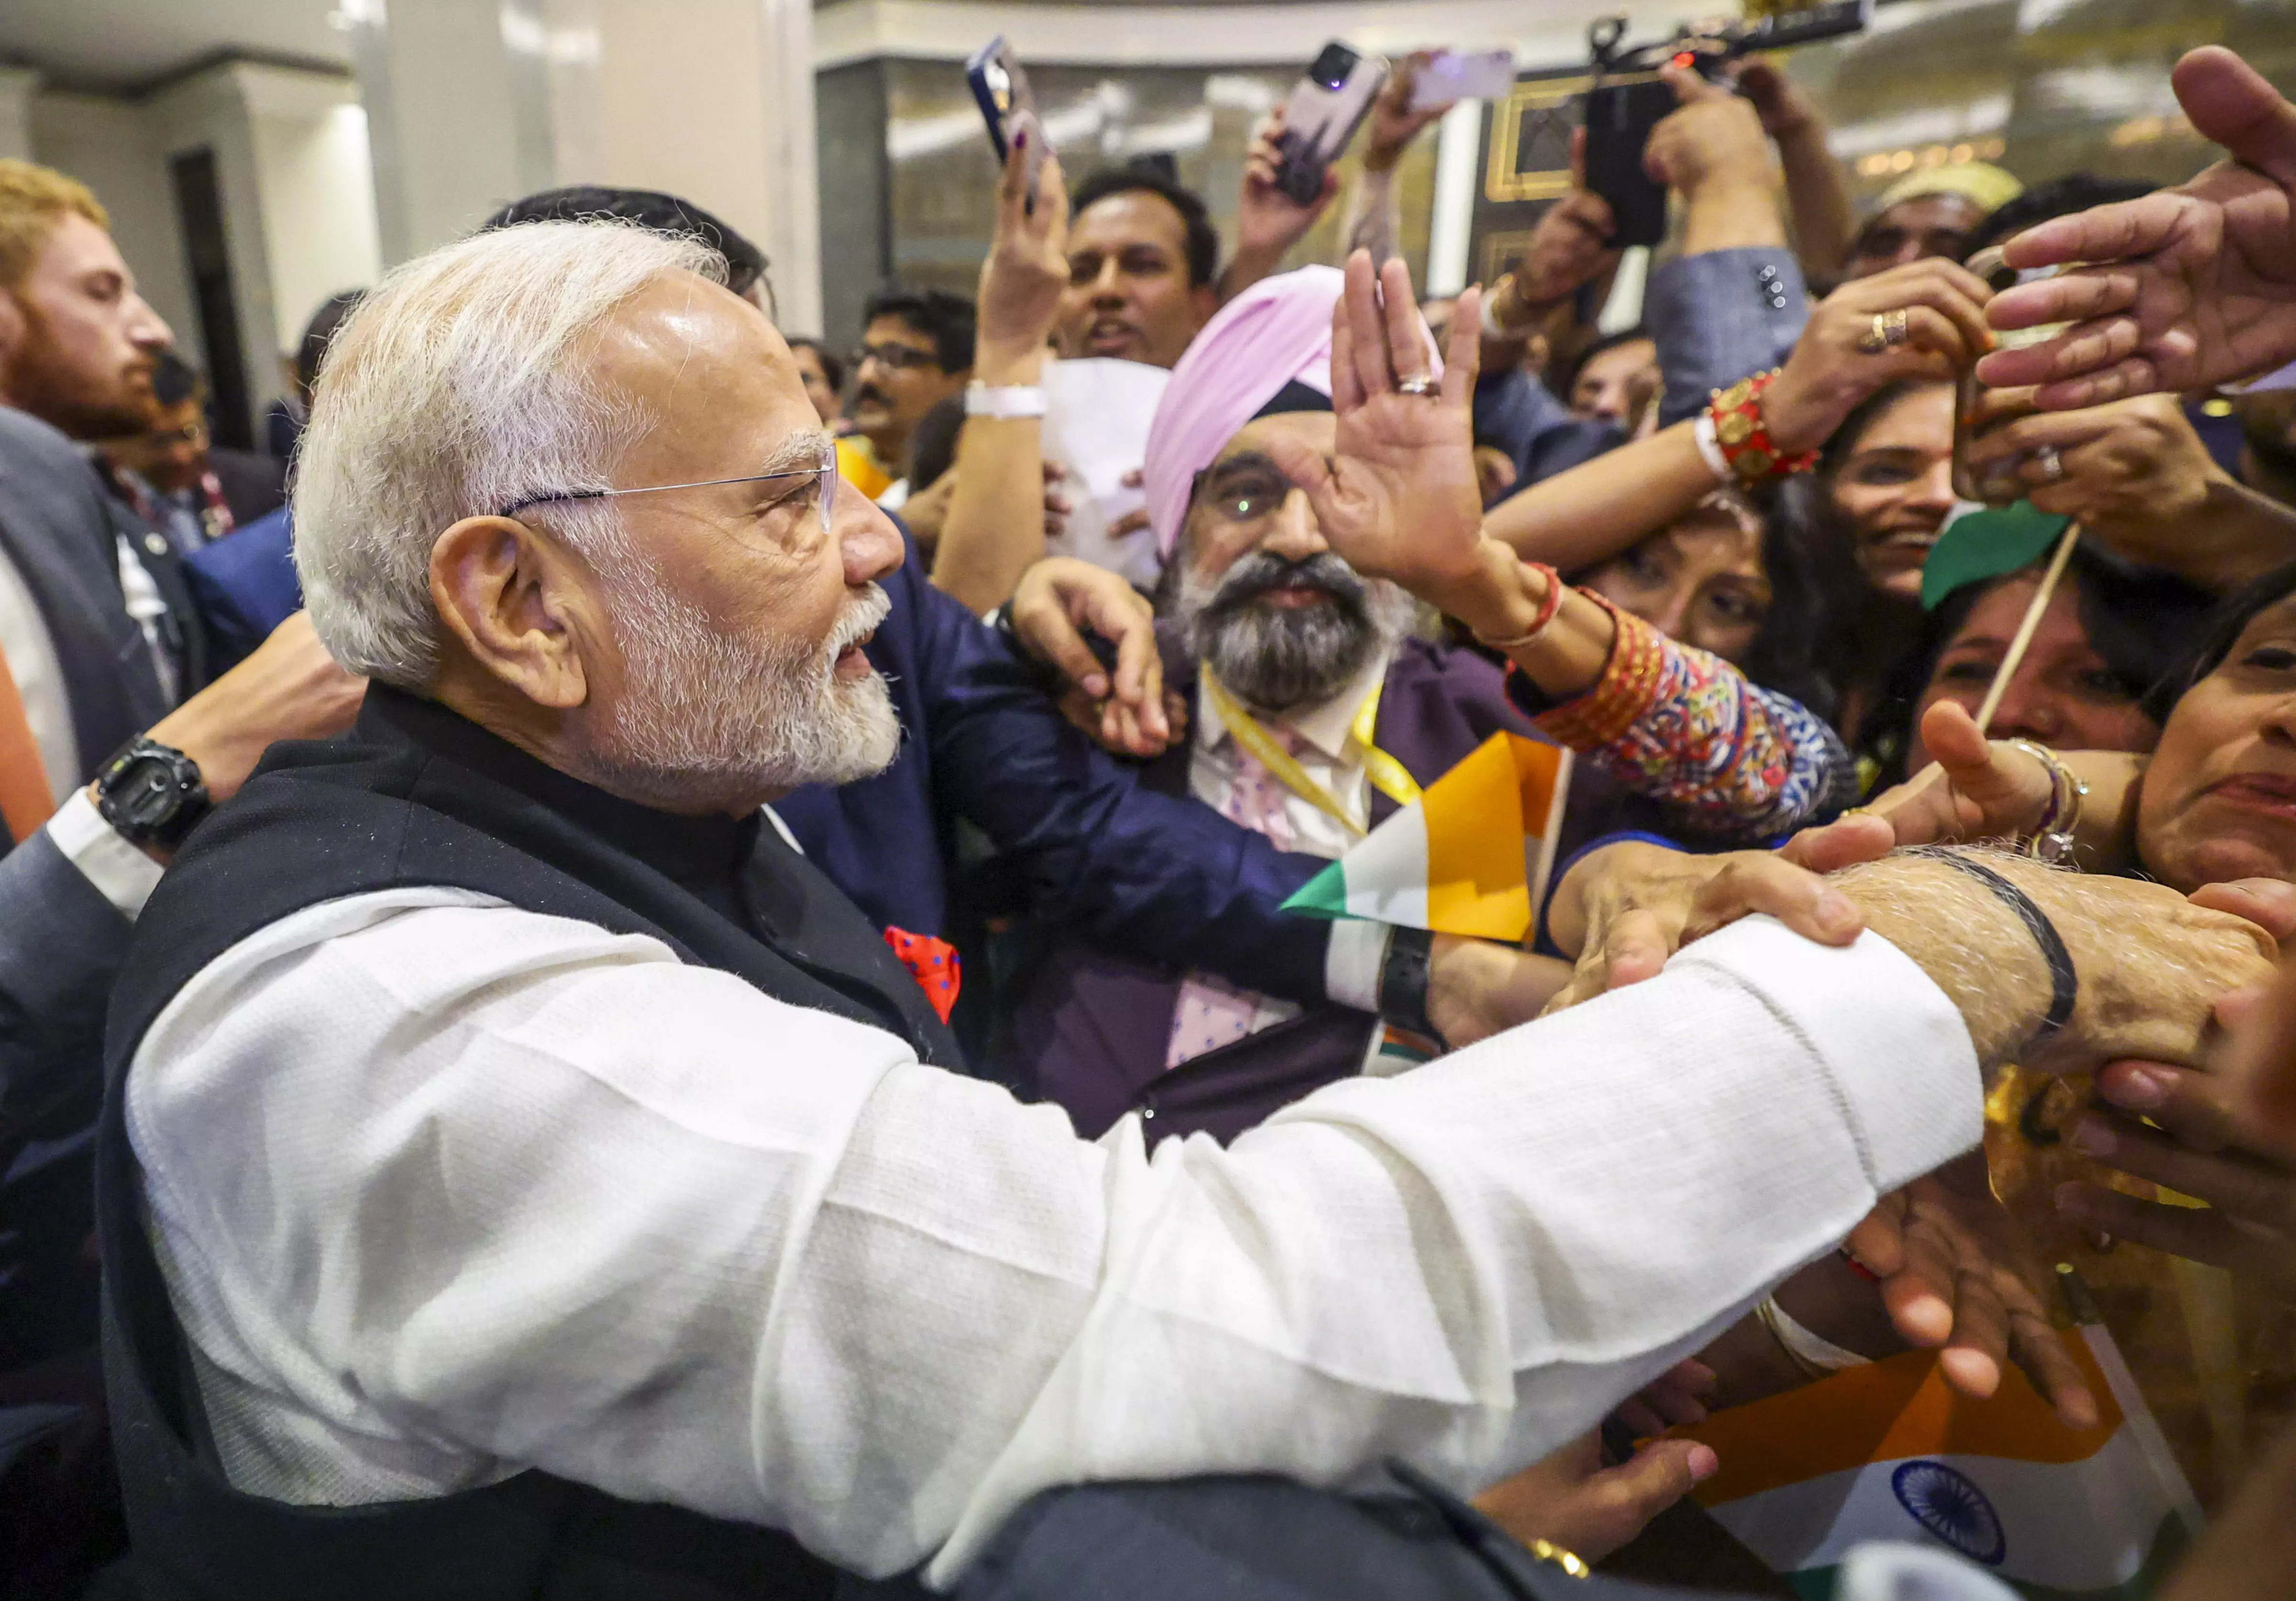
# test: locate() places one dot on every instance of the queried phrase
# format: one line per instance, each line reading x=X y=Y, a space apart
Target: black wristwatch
x=1403 y=981
x=152 y=793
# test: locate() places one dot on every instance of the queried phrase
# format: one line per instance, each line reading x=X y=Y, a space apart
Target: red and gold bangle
x=1547 y=607
x=1746 y=438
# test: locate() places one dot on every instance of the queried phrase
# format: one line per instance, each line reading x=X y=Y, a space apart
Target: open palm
x=1398 y=497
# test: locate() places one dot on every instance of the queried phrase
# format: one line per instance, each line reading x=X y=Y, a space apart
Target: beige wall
x=107 y=144
x=473 y=102
x=299 y=206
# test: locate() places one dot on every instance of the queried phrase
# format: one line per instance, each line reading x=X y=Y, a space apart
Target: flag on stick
x=1471 y=855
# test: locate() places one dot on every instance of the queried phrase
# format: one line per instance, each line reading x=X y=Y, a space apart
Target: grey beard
x=715 y=720
x=1279 y=658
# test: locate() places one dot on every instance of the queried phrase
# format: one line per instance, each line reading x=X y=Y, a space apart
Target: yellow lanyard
x=1386 y=773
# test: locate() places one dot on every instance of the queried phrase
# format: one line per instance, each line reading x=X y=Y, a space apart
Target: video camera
x=1629 y=98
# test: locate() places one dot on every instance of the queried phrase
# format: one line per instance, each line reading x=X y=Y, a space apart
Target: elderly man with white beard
x=522 y=1175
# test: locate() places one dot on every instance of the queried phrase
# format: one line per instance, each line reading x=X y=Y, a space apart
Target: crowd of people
x=628 y=965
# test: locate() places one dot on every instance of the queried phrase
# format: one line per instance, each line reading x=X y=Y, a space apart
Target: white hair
x=457 y=388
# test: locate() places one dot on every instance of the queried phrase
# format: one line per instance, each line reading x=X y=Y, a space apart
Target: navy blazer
x=1154 y=876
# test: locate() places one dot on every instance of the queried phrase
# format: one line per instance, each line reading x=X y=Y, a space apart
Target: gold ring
x=1875 y=339
x=1896 y=328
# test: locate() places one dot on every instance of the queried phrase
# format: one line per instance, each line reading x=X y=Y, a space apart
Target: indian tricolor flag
x=1471 y=855
x=1885 y=1451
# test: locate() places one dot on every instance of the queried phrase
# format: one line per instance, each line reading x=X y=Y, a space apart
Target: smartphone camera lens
x=1331 y=67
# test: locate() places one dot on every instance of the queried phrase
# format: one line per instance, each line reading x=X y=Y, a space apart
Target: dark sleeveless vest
x=416 y=795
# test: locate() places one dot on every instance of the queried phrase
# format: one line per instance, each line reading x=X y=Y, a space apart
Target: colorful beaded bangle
x=1746 y=438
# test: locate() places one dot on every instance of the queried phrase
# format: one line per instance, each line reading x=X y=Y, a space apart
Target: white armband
x=1006 y=404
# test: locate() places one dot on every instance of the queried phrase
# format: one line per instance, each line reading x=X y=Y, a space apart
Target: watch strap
x=1403 y=981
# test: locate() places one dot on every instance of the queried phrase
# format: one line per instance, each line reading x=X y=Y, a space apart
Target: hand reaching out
x=2185 y=287
x=1957 y=1273
x=1055 y=600
x=1626 y=908
x=1590 y=1510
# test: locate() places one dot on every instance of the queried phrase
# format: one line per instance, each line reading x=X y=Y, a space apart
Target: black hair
x=2213 y=641
x=174 y=380
x=1204 y=245
x=947 y=319
x=650 y=208
x=833 y=366
x=932 y=443
x=2142 y=620
x=2056 y=197
x=1567 y=379
x=1817 y=592
x=319 y=332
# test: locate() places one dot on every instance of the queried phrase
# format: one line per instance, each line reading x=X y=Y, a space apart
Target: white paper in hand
x=1096 y=416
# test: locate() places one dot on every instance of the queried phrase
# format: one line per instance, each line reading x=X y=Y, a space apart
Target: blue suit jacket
x=245 y=587
x=1716 y=317
x=1156 y=876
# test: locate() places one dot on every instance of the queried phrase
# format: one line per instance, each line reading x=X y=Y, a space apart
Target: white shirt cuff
x=121 y=874
x=1908 y=1122
x=1352 y=963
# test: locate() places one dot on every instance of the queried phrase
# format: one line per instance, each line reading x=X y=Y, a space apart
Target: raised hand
x=1398 y=497
x=2183 y=288
x=1837 y=362
x=1393 y=124
x=1269 y=222
x=1028 y=266
x=1570 y=245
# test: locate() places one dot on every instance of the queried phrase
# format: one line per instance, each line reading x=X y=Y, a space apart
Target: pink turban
x=1273 y=335
x=1277 y=331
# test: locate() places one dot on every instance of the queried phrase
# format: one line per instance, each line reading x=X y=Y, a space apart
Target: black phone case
x=976 y=78
x=1299 y=175
x=1620 y=117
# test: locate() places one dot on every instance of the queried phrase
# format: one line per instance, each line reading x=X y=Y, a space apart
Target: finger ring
x=1888 y=331
x=2053 y=465
x=1423 y=386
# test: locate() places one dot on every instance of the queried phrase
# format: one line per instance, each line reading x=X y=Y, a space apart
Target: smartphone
x=1000 y=88
x=1322 y=114
x=2004 y=487
x=1620 y=113
x=1453 y=75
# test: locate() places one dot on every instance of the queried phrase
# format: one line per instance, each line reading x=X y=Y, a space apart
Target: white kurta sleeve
x=444 y=1189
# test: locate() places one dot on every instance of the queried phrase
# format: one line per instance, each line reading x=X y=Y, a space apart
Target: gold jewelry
x=1889 y=330
x=1421 y=385
x=1546 y=1550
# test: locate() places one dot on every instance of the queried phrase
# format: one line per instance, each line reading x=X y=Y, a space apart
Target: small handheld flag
x=1887 y=1451
x=1471 y=855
